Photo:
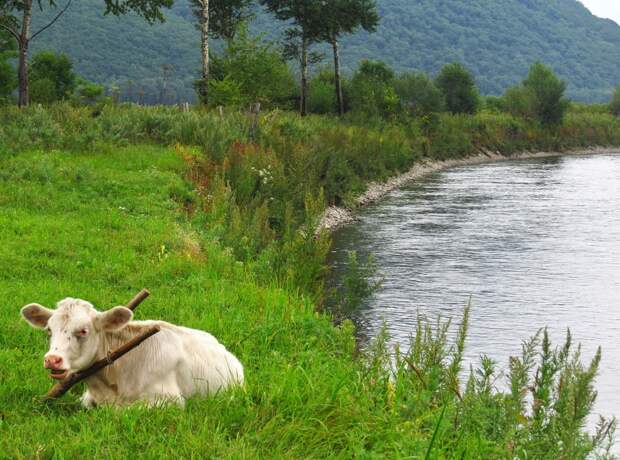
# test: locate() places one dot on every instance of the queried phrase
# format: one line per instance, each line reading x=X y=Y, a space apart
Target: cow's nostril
x=53 y=362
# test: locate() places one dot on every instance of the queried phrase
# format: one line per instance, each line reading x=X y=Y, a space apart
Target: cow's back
x=208 y=366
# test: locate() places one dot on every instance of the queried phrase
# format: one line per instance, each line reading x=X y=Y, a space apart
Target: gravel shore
x=335 y=217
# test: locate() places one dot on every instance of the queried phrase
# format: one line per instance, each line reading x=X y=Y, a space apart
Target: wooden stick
x=72 y=379
x=137 y=300
x=64 y=385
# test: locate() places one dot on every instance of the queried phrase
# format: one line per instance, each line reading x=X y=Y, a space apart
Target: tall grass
x=222 y=230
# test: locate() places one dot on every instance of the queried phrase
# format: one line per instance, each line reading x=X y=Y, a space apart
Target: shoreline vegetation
x=216 y=214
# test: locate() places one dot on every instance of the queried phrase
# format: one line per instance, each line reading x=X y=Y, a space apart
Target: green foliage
x=372 y=90
x=43 y=91
x=345 y=16
x=224 y=233
x=418 y=94
x=51 y=77
x=250 y=70
x=226 y=16
x=458 y=88
x=88 y=92
x=614 y=105
x=411 y=36
x=8 y=74
x=322 y=97
x=540 y=97
x=360 y=281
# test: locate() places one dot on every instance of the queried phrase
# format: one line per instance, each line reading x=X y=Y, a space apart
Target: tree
x=307 y=18
x=250 y=70
x=344 y=17
x=548 y=93
x=16 y=19
x=540 y=96
x=220 y=18
x=372 y=90
x=8 y=82
x=52 y=78
x=459 y=88
x=418 y=94
x=88 y=92
x=227 y=16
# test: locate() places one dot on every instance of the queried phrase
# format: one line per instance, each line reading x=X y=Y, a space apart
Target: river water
x=535 y=243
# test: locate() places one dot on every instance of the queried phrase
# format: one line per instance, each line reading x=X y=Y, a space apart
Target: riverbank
x=533 y=242
x=217 y=219
x=335 y=217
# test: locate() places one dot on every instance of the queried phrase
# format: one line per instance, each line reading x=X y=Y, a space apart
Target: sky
x=604 y=8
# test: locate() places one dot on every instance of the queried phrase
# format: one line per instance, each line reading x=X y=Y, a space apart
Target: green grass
x=102 y=222
x=100 y=227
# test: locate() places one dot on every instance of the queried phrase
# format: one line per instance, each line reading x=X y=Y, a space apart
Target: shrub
x=493 y=104
x=418 y=94
x=250 y=70
x=372 y=90
x=459 y=88
x=51 y=77
x=322 y=95
x=88 y=92
x=540 y=97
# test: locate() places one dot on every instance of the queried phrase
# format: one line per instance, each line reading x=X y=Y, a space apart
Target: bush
x=322 y=94
x=540 y=97
x=42 y=91
x=418 y=94
x=88 y=92
x=51 y=77
x=614 y=105
x=249 y=70
x=372 y=90
x=459 y=89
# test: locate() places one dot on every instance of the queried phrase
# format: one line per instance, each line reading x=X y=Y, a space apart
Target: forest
x=497 y=40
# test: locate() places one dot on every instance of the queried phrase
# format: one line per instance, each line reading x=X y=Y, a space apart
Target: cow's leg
x=165 y=391
x=87 y=400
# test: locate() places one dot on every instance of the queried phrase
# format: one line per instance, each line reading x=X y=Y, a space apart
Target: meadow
x=217 y=220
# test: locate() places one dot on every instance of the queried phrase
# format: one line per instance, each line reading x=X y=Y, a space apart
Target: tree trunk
x=303 y=102
x=337 y=77
x=23 y=42
x=204 y=87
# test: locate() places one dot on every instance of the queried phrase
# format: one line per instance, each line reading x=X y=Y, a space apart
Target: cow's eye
x=81 y=332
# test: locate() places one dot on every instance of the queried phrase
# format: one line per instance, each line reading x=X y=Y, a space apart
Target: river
x=535 y=243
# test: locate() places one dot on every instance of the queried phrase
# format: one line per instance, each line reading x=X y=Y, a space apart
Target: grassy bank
x=219 y=226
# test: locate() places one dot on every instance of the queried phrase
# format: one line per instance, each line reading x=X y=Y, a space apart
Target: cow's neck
x=107 y=378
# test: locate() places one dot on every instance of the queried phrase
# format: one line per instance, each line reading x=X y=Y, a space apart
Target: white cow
x=170 y=366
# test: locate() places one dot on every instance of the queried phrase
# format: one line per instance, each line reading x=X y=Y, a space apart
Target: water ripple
x=535 y=243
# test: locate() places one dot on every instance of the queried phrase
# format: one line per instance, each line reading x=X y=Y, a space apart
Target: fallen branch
x=74 y=378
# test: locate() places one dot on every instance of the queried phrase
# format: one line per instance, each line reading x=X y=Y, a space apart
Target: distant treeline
x=497 y=41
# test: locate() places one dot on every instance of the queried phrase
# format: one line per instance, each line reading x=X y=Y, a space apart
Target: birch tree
x=345 y=17
x=220 y=19
x=306 y=17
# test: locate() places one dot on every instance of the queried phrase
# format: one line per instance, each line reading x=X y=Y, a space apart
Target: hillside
x=496 y=39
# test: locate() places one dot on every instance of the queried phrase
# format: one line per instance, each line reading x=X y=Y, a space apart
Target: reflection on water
x=535 y=243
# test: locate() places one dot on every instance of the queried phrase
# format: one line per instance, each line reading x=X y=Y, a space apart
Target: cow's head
x=75 y=329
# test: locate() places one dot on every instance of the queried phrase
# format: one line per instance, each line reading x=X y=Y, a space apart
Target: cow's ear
x=36 y=315
x=113 y=319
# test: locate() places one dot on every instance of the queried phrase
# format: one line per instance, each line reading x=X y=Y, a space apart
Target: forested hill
x=496 y=39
